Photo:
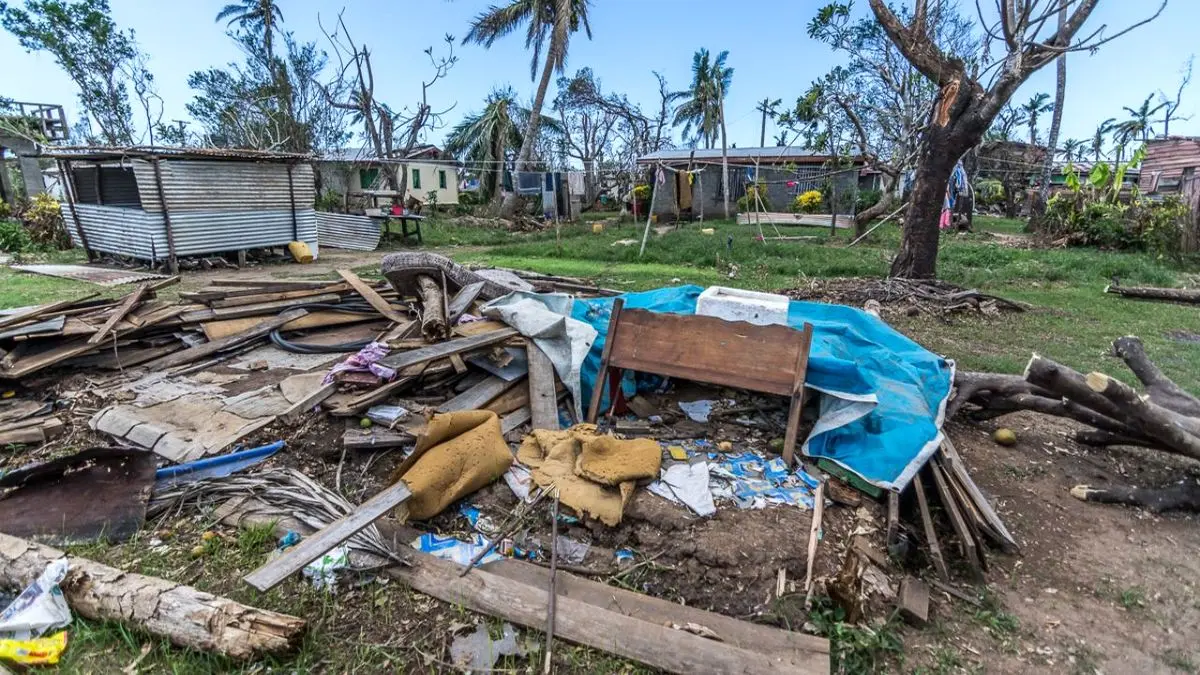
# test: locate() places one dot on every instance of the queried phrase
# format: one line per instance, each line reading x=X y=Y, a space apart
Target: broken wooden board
x=261 y=309
x=445 y=349
x=314 y=398
x=462 y=301
x=215 y=330
x=372 y=297
x=477 y=397
x=314 y=546
x=119 y=313
x=238 y=298
x=207 y=349
x=35 y=432
x=966 y=539
x=931 y=538
x=375 y=438
x=954 y=463
x=543 y=399
x=913 y=601
x=41 y=310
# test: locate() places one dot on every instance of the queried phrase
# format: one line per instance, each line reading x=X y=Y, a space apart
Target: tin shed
x=159 y=204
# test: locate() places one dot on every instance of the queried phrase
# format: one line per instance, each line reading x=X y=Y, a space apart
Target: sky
x=770 y=52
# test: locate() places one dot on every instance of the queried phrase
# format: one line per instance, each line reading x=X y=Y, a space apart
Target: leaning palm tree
x=1140 y=122
x=1106 y=127
x=701 y=110
x=255 y=16
x=1072 y=149
x=485 y=139
x=1031 y=109
x=550 y=24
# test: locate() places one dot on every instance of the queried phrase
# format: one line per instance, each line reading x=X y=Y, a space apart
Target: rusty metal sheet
x=103 y=276
x=100 y=493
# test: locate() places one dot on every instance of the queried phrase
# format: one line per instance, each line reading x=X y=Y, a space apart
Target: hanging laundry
x=958 y=183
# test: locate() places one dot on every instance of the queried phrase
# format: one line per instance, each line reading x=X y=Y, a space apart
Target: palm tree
x=1031 y=109
x=1060 y=96
x=1072 y=149
x=551 y=23
x=1140 y=122
x=485 y=139
x=702 y=110
x=254 y=16
x=1106 y=127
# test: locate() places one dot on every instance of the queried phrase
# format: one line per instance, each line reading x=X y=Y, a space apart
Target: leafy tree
x=589 y=124
x=1006 y=122
x=701 y=108
x=969 y=100
x=549 y=25
x=100 y=59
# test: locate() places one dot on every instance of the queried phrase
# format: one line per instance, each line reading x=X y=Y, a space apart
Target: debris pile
x=908 y=296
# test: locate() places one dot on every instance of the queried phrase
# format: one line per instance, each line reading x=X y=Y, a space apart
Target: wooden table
x=405 y=221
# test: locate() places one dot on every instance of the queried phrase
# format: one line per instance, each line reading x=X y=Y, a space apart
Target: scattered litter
x=36 y=652
x=364 y=362
x=478 y=652
x=519 y=480
x=39 y=608
x=752 y=481
x=571 y=551
x=324 y=570
x=213 y=467
x=686 y=483
x=623 y=556
x=387 y=415
x=697 y=411
x=455 y=550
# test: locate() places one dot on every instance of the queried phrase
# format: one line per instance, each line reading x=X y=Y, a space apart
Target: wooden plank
x=269 y=284
x=614 y=318
x=460 y=366
x=654 y=644
x=215 y=330
x=797 y=398
x=462 y=301
x=256 y=310
x=893 y=519
x=708 y=349
x=965 y=538
x=954 y=462
x=119 y=313
x=372 y=297
x=293 y=414
x=515 y=419
x=734 y=632
x=317 y=544
x=513 y=399
x=375 y=438
x=255 y=298
x=209 y=348
x=477 y=327
x=445 y=349
x=40 y=310
x=478 y=396
x=931 y=538
x=543 y=399
x=913 y=601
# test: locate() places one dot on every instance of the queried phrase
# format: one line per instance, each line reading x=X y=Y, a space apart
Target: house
x=159 y=204
x=1170 y=166
x=358 y=177
x=693 y=177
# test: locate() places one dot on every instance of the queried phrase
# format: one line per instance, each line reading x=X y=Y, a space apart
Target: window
x=416 y=179
x=442 y=179
x=368 y=178
x=105 y=185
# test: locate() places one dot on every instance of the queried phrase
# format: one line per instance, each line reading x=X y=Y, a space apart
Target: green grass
x=999 y=224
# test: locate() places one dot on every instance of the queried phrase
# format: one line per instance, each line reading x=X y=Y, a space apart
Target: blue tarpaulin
x=883 y=396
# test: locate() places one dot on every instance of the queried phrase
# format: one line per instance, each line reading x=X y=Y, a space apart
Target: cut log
x=1070 y=384
x=433 y=309
x=1174 y=430
x=1161 y=389
x=1058 y=408
x=1181 y=496
x=1188 y=295
x=1097 y=438
x=967 y=384
x=182 y=614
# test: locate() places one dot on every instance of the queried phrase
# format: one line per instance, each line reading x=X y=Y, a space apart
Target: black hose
x=306 y=348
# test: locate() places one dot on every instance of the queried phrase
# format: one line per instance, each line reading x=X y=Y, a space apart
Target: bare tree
x=588 y=121
x=967 y=103
x=392 y=134
x=1171 y=106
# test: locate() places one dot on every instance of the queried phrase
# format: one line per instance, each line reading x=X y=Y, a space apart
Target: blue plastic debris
x=213 y=467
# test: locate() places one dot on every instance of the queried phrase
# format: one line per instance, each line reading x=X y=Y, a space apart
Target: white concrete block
x=735 y=304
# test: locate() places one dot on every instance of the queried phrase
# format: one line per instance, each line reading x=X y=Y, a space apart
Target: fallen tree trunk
x=1161 y=389
x=1185 y=496
x=1189 y=295
x=1070 y=384
x=994 y=407
x=184 y=615
x=1097 y=438
x=1174 y=430
x=433 y=309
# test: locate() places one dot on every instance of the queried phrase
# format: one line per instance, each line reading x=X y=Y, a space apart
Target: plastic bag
x=39 y=608
x=37 y=652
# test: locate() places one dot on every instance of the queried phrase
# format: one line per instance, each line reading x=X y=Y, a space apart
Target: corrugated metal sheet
x=340 y=230
x=1166 y=159
x=139 y=234
x=102 y=276
x=193 y=185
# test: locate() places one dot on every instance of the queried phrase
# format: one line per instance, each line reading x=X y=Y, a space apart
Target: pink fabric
x=365 y=361
x=944 y=221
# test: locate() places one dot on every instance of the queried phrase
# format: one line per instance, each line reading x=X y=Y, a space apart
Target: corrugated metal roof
x=346 y=231
x=102 y=276
x=100 y=153
x=430 y=153
x=737 y=155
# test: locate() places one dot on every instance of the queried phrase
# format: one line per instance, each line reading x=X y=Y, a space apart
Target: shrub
x=988 y=192
x=749 y=202
x=641 y=192
x=43 y=222
x=14 y=238
x=807 y=202
x=329 y=202
x=866 y=199
x=468 y=198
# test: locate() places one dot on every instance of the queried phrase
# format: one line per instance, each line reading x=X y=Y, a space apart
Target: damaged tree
x=965 y=104
x=1165 y=417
